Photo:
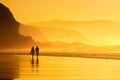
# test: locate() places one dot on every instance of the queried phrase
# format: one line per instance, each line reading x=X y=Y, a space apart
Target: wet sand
x=23 y=67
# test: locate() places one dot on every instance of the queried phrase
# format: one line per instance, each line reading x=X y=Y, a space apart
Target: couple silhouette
x=34 y=50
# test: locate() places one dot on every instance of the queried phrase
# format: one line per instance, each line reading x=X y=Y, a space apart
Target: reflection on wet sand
x=32 y=62
x=8 y=67
x=35 y=64
x=57 y=68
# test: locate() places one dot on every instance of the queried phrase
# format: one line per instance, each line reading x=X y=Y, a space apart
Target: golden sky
x=30 y=11
x=27 y=11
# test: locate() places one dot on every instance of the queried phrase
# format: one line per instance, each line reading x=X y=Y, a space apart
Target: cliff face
x=9 y=31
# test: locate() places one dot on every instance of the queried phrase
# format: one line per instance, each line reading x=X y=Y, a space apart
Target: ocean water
x=24 y=67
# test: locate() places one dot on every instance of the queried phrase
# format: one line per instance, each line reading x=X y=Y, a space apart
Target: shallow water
x=23 y=67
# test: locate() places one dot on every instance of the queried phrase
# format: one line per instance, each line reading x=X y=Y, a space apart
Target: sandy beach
x=23 y=67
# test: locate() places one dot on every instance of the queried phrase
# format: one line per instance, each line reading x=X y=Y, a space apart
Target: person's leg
x=32 y=55
x=37 y=54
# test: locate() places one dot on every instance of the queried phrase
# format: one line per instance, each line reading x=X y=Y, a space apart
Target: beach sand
x=23 y=67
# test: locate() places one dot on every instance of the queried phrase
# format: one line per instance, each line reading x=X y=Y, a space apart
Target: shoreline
x=68 y=54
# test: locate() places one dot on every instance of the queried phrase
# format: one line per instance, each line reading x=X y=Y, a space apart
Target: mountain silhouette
x=101 y=32
x=9 y=31
x=52 y=34
x=32 y=31
x=64 y=35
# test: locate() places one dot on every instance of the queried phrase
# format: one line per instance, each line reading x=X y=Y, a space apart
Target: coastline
x=115 y=56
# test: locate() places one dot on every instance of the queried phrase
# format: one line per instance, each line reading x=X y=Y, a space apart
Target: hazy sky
x=30 y=11
x=27 y=11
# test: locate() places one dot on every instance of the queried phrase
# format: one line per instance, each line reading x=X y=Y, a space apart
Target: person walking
x=37 y=51
x=32 y=52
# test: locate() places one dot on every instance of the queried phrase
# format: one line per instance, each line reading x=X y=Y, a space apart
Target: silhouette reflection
x=32 y=62
x=35 y=64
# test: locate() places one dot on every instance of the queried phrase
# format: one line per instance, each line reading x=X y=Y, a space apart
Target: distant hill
x=99 y=31
x=35 y=33
x=53 y=34
x=9 y=31
x=14 y=35
x=58 y=23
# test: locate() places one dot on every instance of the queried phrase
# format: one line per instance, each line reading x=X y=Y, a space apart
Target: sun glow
x=82 y=10
x=73 y=10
